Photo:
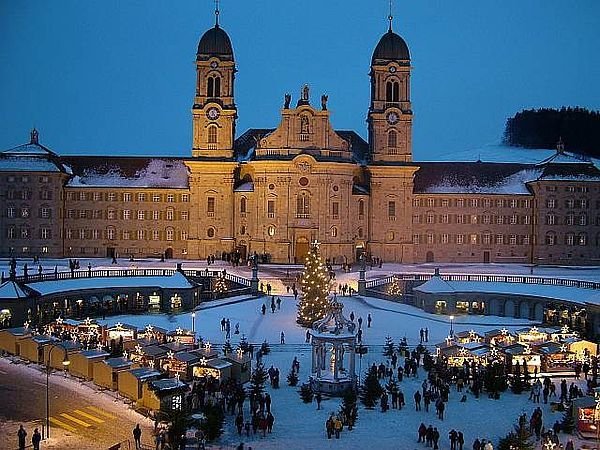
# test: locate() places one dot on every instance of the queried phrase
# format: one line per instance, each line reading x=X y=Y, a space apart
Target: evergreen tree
x=306 y=393
x=394 y=289
x=219 y=286
x=349 y=408
x=567 y=425
x=315 y=280
x=371 y=390
x=264 y=348
x=402 y=347
x=520 y=438
x=213 y=425
x=292 y=378
x=258 y=379
x=243 y=344
x=227 y=348
x=388 y=347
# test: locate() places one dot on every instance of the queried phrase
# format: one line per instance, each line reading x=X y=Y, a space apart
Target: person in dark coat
x=460 y=440
x=22 y=434
x=137 y=436
x=35 y=439
x=270 y=422
x=422 y=432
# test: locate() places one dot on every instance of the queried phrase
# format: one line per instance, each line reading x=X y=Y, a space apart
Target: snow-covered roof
x=27 y=164
x=564 y=293
x=93 y=171
x=168 y=384
x=89 y=354
x=175 y=281
x=11 y=290
x=117 y=363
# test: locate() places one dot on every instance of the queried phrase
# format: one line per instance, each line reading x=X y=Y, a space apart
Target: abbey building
x=274 y=190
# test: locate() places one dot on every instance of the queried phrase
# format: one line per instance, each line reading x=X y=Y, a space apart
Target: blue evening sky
x=117 y=77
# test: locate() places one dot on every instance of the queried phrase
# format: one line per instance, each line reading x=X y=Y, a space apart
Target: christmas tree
x=220 y=286
x=394 y=289
x=306 y=393
x=227 y=348
x=567 y=425
x=388 y=347
x=348 y=408
x=314 y=303
x=519 y=438
x=371 y=390
x=258 y=379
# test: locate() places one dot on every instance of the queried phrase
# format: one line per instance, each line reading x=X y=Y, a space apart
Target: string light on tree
x=315 y=284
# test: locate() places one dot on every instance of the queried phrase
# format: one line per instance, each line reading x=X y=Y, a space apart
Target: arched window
x=243 y=205
x=550 y=238
x=334 y=232
x=303 y=206
x=361 y=208
x=360 y=233
x=392 y=91
x=170 y=234
x=217 y=87
x=582 y=240
x=210 y=232
x=210 y=89
x=271 y=230
x=392 y=139
x=212 y=134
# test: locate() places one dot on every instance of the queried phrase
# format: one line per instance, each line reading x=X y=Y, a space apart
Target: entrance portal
x=486 y=257
x=429 y=257
x=301 y=250
x=169 y=253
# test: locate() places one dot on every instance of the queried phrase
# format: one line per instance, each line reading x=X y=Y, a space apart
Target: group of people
x=226 y=327
x=36 y=438
x=333 y=426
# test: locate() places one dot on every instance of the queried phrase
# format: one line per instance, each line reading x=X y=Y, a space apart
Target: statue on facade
x=288 y=99
x=324 y=99
x=304 y=127
x=305 y=93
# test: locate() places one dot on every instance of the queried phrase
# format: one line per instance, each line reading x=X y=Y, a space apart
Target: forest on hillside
x=579 y=129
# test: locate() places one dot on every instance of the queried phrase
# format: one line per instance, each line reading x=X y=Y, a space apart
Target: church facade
x=274 y=190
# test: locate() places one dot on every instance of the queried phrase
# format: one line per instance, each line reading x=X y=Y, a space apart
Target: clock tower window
x=213 y=88
x=212 y=134
x=392 y=139
x=392 y=91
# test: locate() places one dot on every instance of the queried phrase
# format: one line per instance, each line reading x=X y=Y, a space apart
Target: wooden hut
x=106 y=372
x=31 y=348
x=62 y=351
x=241 y=366
x=582 y=349
x=83 y=362
x=216 y=368
x=130 y=381
x=149 y=356
x=181 y=363
x=165 y=395
x=584 y=412
x=120 y=331
x=182 y=336
x=10 y=339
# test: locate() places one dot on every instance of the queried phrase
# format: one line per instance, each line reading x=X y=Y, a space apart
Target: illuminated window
x=334 y=231
x=170 y=233
x=126 y=197
x=361 y=208
x=271 y=230
x=243 y=205
x=303 y=206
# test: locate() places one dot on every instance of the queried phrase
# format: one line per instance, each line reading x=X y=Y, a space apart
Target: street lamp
x=193 y=322
x=65 y=363
x=451 y=325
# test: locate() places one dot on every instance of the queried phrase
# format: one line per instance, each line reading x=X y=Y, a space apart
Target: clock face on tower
x=212 y=113
x=392 y=118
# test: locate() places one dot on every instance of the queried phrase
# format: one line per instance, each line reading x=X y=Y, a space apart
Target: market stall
x=10 y=339
x=130 y=382
x=106 y=372
x=83 y=362
x=165 y=395
x=216 y=368
x=32 y=347
x=62 y=351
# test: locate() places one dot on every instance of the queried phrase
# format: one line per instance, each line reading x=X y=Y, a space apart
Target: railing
x=521 y=279
x=107 y=273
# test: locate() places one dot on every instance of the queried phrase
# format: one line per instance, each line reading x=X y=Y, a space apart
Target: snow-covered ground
x=301 y=426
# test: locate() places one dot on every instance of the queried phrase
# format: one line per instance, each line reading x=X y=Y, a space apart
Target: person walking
x=318 y=398
x=369 y=320
x=22 y=434
x=282 y=337
x=137 y=436
x=35 y=439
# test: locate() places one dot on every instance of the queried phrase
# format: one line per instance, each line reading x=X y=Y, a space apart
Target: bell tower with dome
x=390 y=113
x=214 y=112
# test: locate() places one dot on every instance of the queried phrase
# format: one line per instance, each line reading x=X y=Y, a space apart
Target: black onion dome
x=391 y=47
x=215 y=42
